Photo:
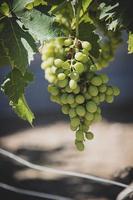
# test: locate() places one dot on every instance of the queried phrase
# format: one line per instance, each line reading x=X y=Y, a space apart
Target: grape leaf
x=15 y=83
x=14 y=87
x=12 y=40
x=87 y=33
x=39 y=25
x=22 y=109
x=130 y=43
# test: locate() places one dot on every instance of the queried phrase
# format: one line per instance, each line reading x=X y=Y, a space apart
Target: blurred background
x=51 y=142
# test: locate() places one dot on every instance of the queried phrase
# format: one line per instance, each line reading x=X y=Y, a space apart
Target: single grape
x=109 y=91
x=97 y=117
x=63 y=98
x=65 y=109
x=70 y=99
x=58 y=62
x=116 y=91
x=79 y=67
x=53 y=90
x=102 y=97
x=92 y=90
x=79 y=135
x=89 y=135
x=73 y=84
x=89 y=116
x=72 y=113
x=79 y=145
x=66 y=65
x=74 y=76
x=61 y=76
x=86 y=45
x=109 y=98
x=75 y=122
x=63 y=83
x=81 y=57
x=102 y=88
x=96 y=99
x=91 y=107
x=96 y=80
x=68 y=42
x=79 y=99
x=80 y=110
x=77 y=90
x=104 y=78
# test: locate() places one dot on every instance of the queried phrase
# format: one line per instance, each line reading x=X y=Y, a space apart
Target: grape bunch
x=75 y=85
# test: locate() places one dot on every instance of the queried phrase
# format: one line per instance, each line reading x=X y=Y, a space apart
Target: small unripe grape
x=86 y=45
x=91 y=107
x=73 y=128
x=96 y=80
x=79 y=67
x=89 y=116
x=93 y=68
x=109 y=98
x=61 y=76
x=102 y=97
x=58 y=62
x=65 y=109
x=80 y=110
x=96 y=99
x=72 y=113
x=73 y=84
x=80 y=145
x=74 y=76
x=66 y=65
x=81 y=57
x=77 y=90
x=89 y=135
x=68 y=42
x=75 y=121
x=70 y=99
x=55 y=99
x=109 y=91
x=97 y=117
x=79 y=99
x=53 y=90
x=73 y=105
x=79 y=135
x=104 y=78
x=53 y=69
x=68 y=89
x=116 y=91
x=93 y=91
x=102 y=88
x=63 y=98
x=87 y=96
x=63 y=83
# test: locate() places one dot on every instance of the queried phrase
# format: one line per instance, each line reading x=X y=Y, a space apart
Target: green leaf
x=39 y=25
x=17 y=46
x=14 y=87
x=19 y=5
x=85 y=4
x=130 y=43
x=15 y=83
x=22 y=109
x=87 y=33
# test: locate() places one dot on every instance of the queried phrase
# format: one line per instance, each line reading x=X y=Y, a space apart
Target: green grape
x=102 y=88
x=109 y=98
x=102 y=97
x=63 y=98
x=58 y=62
x=68 y=89
x=87 y=96
x=89 y=116
x=73 y=84
x=63 y=83
x=65 y=109
x=74 y=76
x=68 y=42
x=79 y=99
x=104 y=78
x=73 y=105
x=77 y=90
x=80 y=110
x=53 y=69
x=47 y=63
x=79 y=145
x=116 y=91
x=89 y=135
x=81 y=57
x=79 y=135
x=96 y=80
x=93 y=91
x=66 y=65
x=55 y=99
x=79 y=67
x=93 y=68
x=73 y=128
x=91 y=107
x=96 y=99
x=75 y=122
x=86 y=45
x=61 y=76
x=109 y=91
x=70 y=99
x=72 y=113
x=53 y=90
x=97 y=117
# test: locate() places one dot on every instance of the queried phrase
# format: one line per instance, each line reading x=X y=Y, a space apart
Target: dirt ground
x=53 y=145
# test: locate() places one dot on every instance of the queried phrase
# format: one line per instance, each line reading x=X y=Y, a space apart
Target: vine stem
x=61 y=172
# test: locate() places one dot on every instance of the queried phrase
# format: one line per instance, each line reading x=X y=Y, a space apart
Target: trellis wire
x=32 y=193
x=61 y=172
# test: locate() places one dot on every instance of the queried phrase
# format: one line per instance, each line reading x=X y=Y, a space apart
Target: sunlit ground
x=53 y=146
